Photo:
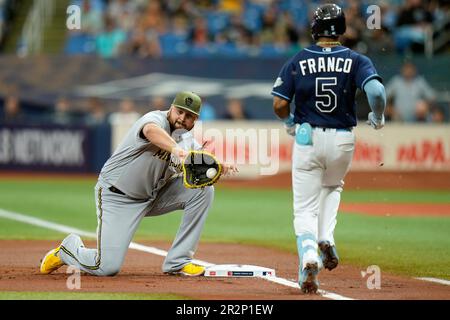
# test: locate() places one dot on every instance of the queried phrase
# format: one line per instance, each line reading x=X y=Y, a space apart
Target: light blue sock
x=301 y=250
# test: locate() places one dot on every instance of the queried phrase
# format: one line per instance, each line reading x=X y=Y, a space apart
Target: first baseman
x=142 y=179
x=322 y=80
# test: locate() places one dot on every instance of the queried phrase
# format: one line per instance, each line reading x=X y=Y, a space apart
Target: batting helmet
x=328 y=21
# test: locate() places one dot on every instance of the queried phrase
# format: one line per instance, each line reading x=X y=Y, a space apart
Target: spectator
x=380 y=42
x=62 y=114
x=409 y=93
x=389 y=112
x=422 y=112
x=158 y=103
x=143 y=44
x=288 y=24
x=91 y=19
x=12 y=111
x=96 y=112
x=153 y=17
x=231 y=5
x=208 y=111
x=247 y=28
x=108 y=42
x=355 y=25
x=235 y=110
x=200 y=38
x=127 y=113
x=413 y=23
x=124 y=12
x=437 y=115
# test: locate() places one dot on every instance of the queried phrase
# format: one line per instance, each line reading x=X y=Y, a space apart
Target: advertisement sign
x=44 y=148
x=264 y=148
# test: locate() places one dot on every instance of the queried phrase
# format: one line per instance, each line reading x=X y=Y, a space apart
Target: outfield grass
x=415 y=246
x=5 y=295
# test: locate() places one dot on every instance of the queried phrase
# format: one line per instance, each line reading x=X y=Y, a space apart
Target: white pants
x=318 y=171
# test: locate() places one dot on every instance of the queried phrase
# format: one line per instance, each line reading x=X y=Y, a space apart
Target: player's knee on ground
x=109 y=270
x=110 y=264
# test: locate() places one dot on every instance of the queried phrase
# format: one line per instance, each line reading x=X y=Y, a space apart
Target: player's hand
x=376 y=123
x=229 y=169
x=180 y=153
x=289 y=125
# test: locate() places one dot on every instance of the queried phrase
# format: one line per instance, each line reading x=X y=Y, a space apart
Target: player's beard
x=176 y=125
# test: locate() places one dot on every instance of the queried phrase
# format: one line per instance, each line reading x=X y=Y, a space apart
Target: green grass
x=415 y=246
x=394 y=196
x=5 y=295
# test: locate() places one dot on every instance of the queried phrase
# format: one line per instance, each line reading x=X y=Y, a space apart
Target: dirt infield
x=360 y=180
x=141 y=273
x=354 y=180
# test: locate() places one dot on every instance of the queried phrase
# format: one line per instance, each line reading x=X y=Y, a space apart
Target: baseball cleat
x=308 y=278
x=191 y=270
x=51 y=261
x=328 y=254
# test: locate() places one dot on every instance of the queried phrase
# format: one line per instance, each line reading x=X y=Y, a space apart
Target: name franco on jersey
x=329 y=64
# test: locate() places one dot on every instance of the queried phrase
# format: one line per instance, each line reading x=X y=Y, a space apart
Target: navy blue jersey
x=324 y=83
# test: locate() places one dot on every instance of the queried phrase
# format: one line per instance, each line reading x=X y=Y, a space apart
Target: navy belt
x=337 y=129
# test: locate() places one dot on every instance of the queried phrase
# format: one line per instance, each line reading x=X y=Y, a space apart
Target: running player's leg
x=330 y=197
x=306 y=183
x=339 y=156
x=195 y=203
x=118 y=218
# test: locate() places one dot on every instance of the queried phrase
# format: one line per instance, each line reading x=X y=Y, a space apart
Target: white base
x=238 y=270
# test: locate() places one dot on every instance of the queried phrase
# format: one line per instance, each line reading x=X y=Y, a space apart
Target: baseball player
x=322 y=80
x=142 y=179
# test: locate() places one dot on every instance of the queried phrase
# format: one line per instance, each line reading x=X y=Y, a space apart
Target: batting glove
x=289 y=125
x=376 y=123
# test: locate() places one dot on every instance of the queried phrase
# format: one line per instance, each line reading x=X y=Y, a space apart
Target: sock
x=307 y=249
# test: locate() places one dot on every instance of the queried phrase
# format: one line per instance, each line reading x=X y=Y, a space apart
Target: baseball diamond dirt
x=141 y=273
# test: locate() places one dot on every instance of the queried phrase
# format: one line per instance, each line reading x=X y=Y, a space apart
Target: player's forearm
x=376 y=97
x=281 y=107
x=159 y=137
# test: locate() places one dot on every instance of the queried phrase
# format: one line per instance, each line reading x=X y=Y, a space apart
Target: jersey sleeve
x=156 y=117
x=365 y=71
x=284 y=86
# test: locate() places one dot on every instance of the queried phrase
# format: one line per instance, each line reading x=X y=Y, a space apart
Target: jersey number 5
x=326 y=99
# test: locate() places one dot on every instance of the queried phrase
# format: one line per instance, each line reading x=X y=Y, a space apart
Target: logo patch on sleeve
x=278 y=82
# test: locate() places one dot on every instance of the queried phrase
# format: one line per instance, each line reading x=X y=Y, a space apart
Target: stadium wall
x=397 y=157
x=263 y=147
x=50 y=148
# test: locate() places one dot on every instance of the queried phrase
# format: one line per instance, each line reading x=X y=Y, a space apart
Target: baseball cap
x=189 y=101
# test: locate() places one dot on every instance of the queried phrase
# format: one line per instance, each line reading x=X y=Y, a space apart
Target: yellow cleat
x=191 y=270
x=51 y=261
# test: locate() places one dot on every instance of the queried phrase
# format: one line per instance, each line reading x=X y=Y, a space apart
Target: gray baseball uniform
x=140 y=180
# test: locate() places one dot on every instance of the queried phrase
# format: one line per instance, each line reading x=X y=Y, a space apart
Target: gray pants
x=118 y=218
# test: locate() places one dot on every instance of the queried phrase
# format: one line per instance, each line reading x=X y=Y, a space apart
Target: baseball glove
x=200 y=169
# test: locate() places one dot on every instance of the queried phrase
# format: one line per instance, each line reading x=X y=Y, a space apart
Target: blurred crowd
x=410 y=99
x=157 y=28
x=95 y=111
x=4 y=15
